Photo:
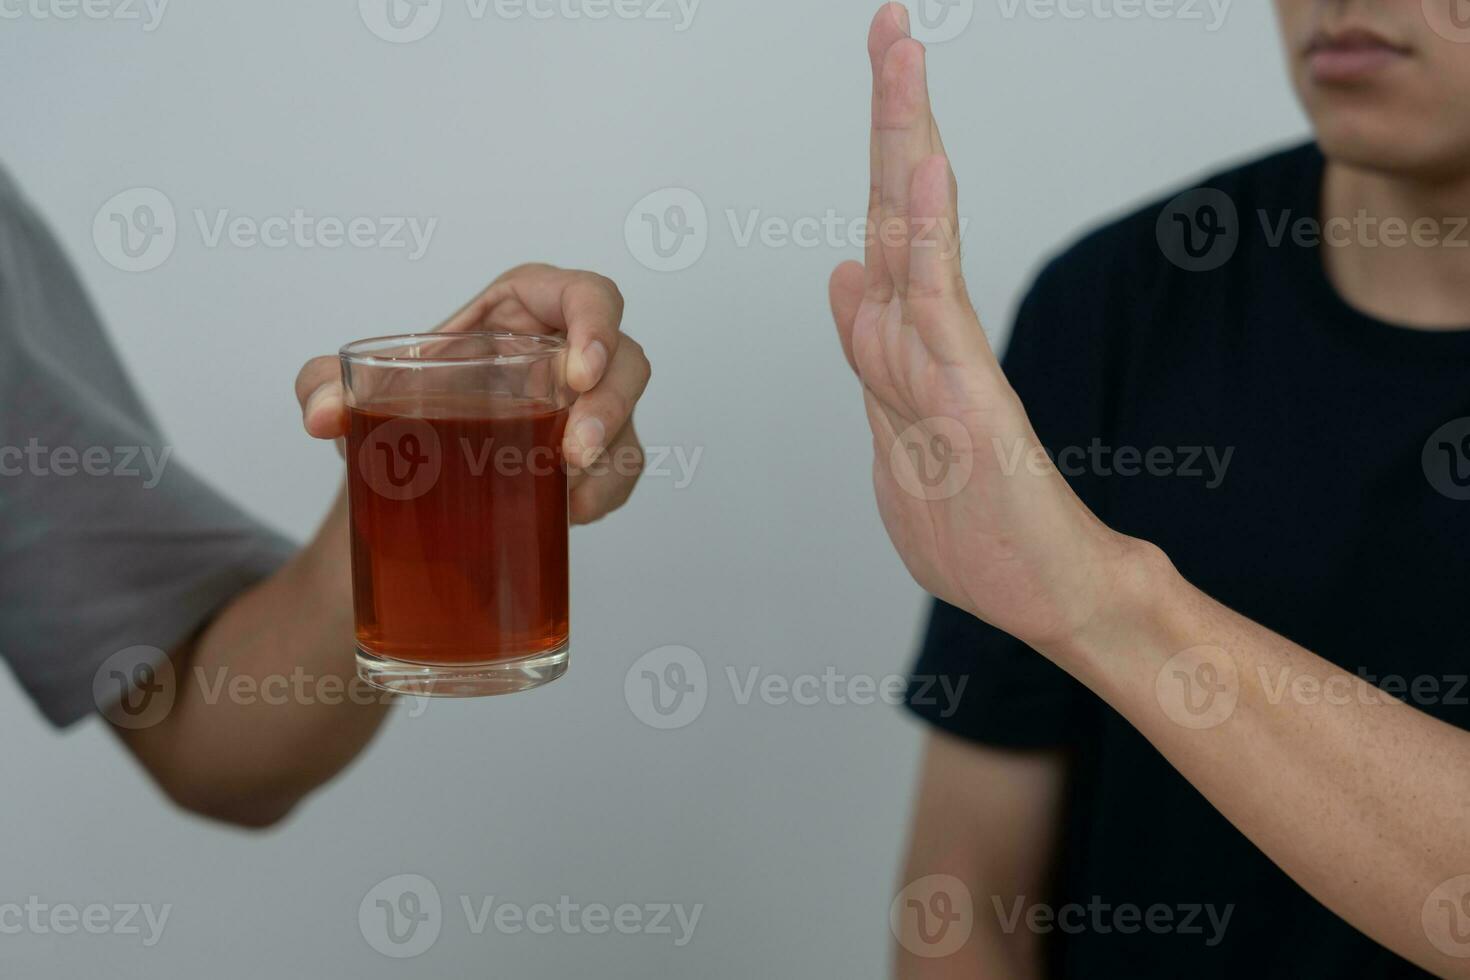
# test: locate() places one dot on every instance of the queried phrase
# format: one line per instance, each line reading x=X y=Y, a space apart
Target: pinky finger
x=607 y=484
x=845 y=291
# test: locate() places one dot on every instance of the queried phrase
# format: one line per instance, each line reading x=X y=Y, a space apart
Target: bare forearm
x=983 y=838
x=267 y=705
x=1359 y=797
x=944 y=875
x=989 y=952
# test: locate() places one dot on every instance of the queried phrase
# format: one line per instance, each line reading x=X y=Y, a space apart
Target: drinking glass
x=458 y=499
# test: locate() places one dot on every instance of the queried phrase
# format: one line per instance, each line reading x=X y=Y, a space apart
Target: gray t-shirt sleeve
x=106 y=541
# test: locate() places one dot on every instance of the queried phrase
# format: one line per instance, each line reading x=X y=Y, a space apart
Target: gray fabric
x=106 y=541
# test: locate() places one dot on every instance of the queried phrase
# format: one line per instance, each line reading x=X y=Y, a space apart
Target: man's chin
x=1380 y=145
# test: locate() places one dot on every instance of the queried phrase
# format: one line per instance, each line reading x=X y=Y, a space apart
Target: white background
x=531 y=139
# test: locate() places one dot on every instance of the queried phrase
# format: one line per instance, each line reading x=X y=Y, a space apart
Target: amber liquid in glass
x=466 y=561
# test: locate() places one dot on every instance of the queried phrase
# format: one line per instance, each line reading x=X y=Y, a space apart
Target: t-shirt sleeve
x=971 y=680
x=107 y=542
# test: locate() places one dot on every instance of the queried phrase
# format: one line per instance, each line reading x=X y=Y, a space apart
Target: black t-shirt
x=1331 y=511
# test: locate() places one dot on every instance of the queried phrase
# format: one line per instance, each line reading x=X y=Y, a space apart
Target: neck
x=1395 y=248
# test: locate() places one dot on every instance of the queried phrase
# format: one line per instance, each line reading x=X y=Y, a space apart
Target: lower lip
x=1334 y=65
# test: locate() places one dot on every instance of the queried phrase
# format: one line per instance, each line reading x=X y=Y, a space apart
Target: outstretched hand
x=1011 y=544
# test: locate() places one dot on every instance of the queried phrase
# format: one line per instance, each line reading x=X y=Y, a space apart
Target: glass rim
x=362 y=351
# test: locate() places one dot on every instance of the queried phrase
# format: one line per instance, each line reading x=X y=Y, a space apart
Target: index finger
x=593 y=307
x=587 y=306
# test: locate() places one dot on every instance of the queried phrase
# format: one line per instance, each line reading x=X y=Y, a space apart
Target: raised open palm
x=975 y=509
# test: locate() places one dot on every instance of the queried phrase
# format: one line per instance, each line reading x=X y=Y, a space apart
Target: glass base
x=463 y=680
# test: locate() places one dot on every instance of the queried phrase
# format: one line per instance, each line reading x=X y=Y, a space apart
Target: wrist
x=1139 y=586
